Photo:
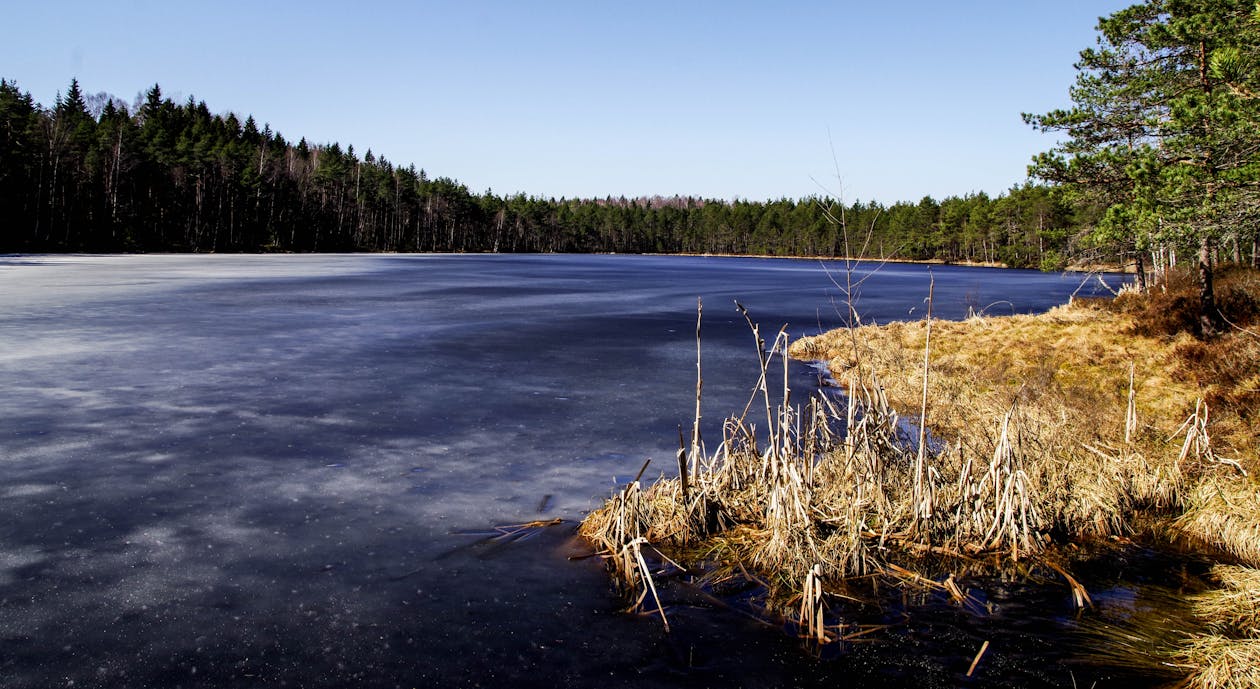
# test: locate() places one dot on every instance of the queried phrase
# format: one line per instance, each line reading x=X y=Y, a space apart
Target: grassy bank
x=1038 y=433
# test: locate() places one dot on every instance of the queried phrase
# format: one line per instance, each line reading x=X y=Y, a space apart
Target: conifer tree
x=1160 y=133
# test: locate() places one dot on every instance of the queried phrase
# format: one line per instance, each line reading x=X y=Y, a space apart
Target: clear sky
x=591 y=98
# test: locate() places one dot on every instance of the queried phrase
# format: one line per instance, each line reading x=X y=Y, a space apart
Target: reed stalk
x=922 y=500
x=812 y=619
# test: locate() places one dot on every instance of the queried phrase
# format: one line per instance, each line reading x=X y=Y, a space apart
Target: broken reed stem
x=1079 y=595
x=645 y=575
x=783 y=354
x=811 y=617
x=642 y=469
x=777 y=444
x=761 y=357
x=1013 y=507
x=955 y=594
x=1198 y=441
x=976 y=661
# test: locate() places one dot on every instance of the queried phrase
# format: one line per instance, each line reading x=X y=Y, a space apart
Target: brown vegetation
x=1044 y=431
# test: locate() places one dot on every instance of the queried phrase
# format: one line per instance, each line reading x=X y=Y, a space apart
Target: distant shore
x=1089 y=268
x=1092 y=268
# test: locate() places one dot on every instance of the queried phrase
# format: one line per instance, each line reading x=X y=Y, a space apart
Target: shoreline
x=1127 y=269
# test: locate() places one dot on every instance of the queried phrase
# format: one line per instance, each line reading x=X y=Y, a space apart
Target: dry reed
x=1044 y=430
x=825 y=493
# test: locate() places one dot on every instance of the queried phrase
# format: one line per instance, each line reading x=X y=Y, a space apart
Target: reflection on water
x=265 y=470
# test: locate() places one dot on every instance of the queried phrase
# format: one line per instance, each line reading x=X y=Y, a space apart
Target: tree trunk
x=1209 y=316
x=1140 y=269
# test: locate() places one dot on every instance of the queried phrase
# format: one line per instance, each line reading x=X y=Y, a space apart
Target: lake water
x=279 y=470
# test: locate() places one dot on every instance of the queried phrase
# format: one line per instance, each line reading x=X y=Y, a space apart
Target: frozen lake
x=271 y=470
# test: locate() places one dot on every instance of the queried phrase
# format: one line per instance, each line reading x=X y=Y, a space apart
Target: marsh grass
x=1045 y=431
x=1220 y=662
x=828 y=493
x=1234 y=608
x=1224 y=511
x=1225 y=653
x=1147 y=640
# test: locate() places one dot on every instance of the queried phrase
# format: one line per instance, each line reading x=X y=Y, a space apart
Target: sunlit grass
x=1046 y=430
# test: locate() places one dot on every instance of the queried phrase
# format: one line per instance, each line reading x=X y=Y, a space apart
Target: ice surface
x=251 y=469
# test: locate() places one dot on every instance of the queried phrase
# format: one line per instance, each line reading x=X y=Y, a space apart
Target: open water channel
x=280 y=470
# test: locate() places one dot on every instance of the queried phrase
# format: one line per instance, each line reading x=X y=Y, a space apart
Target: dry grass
x=1125 y=397
x=1227 y=655
x=1069 y=368
x=1096 y=440
x=803 y=500
x=1220 y=662
x=1225 y=512
x=1233 y=609
x=1044 y=430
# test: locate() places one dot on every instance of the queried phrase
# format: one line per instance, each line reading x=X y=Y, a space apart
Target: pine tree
x=1158 y=134
x=19 y=165
x=1112 y=130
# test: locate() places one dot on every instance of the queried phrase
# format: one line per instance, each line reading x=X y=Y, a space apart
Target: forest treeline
x=93 y=174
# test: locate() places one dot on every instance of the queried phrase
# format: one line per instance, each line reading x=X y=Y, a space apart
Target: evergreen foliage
x=89 y=174
x=1164 y=133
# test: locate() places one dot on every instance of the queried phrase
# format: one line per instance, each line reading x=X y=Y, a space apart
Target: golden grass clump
x=1220 y=662
x=1096 y=405
x=1227 y=654
x=1233 y=609
x=1224 y=511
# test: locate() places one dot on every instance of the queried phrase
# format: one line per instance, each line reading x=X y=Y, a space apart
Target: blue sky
x=588 y=99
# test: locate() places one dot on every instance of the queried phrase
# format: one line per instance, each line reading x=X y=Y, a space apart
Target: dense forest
x=94 y=174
